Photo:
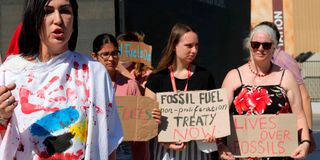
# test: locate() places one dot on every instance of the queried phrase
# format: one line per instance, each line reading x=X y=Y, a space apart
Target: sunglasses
x=265 y=45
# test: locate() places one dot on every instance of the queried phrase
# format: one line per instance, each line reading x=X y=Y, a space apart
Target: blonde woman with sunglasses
x=260 y=76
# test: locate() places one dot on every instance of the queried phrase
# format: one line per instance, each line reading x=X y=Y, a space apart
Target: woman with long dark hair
x=55 y=103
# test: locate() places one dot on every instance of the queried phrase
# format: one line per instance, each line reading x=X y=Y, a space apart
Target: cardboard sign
x=193 y=115
x=136 y=119
x=135 y=52
x=263 y=135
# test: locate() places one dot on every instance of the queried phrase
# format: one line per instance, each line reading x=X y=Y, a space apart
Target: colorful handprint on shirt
x=54 y=132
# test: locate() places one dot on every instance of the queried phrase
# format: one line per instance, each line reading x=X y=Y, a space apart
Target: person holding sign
x=55 y=103
x=174 y=72
x=261 y=87
x=105 y=50
x=284 y=60
x=136 y=70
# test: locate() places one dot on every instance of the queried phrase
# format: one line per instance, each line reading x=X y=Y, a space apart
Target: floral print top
x=255 y=100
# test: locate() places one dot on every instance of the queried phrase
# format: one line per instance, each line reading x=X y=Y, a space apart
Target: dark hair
x=273 y=26
x=102 y=39
x=177 y=31
x=131 y=36
x=33 y=15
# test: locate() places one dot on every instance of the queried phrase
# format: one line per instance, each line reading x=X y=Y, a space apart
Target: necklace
x=259 y=74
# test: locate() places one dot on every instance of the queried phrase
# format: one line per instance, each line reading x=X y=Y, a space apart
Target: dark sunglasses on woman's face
x=265 y=45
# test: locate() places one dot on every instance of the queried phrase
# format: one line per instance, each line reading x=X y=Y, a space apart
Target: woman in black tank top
x=261 y=87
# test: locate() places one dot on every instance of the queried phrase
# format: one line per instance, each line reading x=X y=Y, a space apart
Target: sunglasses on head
x=265 y=45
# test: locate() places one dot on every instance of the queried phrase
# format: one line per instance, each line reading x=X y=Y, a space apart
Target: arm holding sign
x=294 y=97
x=230 y=85
x=156 y=114
x=306 y=104
x=285 y=61
x=225 y=152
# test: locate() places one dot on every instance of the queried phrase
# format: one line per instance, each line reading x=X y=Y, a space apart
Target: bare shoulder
x=288 y=80
x=288 y=75
x=232 y=73
x=230 y=80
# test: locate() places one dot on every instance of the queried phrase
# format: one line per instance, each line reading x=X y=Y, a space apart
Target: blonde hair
x=261 y=29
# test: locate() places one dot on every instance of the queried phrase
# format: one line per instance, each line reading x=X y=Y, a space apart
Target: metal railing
x=310 y=68
x=313 y=86
x=310 y=71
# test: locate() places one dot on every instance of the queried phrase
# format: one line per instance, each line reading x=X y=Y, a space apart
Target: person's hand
x=224 y=152
x=7 y=101
x=301 y=151
x=156 y=114
x=177 y=146
x=209 y=139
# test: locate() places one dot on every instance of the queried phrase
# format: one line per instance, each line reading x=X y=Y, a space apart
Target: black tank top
x=265 y=99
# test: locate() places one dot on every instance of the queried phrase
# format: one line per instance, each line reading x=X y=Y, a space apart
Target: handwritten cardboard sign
x=193 y=115
x=263 y=135
x=135 y=52
x=136 y=119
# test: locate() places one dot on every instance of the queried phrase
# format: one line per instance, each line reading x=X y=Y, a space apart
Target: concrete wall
x=10 y=15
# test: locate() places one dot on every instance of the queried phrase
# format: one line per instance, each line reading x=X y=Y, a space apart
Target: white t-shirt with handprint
x=66 y=109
